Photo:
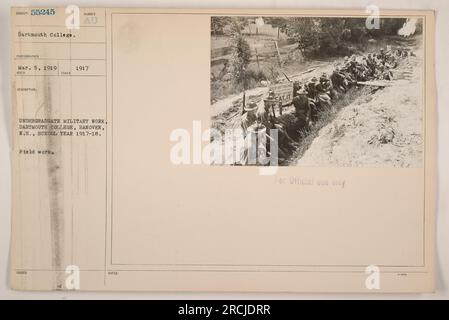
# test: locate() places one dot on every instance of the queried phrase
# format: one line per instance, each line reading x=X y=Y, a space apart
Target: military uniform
x=249 y=117
x=338 y=80
x=302 y=108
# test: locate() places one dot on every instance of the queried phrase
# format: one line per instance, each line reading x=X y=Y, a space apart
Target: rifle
x=286 y=76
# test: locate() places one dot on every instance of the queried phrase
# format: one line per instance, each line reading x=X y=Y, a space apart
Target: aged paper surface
x=103 y=186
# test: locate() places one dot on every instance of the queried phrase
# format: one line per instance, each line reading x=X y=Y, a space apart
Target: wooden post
x=279 y=54
x=244 y=102
x=257 y=58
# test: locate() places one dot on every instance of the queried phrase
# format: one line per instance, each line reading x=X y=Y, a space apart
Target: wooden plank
x=283 y=92
x=378 y=83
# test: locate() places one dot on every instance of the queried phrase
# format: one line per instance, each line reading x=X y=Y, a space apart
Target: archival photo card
x=223 y=150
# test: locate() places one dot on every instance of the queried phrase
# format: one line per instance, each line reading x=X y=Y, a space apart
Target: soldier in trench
x=303 y=109
x=285 y=143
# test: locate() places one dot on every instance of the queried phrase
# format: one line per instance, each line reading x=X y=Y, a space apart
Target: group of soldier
x=318 y=95
x=312 y=98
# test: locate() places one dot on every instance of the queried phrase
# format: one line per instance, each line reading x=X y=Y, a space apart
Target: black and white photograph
x=337 y=91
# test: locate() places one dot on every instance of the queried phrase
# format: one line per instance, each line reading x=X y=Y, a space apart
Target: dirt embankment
x=378 y=129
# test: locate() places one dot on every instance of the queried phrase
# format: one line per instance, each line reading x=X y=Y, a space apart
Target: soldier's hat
x=314 y=79
x=301 y=90
x=252 y=106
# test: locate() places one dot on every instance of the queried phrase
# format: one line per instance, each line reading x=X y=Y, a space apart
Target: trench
x=304 y=138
